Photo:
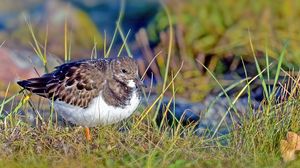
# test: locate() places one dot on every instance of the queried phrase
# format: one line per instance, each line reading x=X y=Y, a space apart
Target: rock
x=22 y=64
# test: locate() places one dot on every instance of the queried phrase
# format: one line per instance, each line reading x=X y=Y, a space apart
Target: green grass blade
x=232 y=104
x=104 y=43
x=111 y=43
x=124 y=45
x=282 y=54
x=268 y=70
x=219 y=84
x=171 y=34
x=3 y=101
x=258 y=69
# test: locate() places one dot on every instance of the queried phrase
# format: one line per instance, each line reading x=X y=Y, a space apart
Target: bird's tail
x=35 y=85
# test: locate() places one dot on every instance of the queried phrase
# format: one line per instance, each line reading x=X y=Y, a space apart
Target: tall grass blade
x=282 y=54
x=258 y=69
x=123 y=45
x=232 y=104
x=171 y=34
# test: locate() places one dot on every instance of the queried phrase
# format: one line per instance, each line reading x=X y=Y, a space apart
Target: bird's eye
x=124 y=71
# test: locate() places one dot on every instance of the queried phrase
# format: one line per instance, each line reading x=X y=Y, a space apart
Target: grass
x=138 y=141
x=143 y=144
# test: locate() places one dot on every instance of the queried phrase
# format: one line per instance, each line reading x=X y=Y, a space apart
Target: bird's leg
x=88 y=134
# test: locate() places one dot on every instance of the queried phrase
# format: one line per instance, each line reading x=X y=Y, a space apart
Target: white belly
x=98 y=112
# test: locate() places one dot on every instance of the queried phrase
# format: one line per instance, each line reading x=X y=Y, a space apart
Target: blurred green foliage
x=222 y=26
x=217 y=34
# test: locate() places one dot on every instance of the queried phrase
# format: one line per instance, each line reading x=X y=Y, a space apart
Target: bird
x=91 y=92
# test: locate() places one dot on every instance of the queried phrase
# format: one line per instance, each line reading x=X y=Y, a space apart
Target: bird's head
x=125 y=70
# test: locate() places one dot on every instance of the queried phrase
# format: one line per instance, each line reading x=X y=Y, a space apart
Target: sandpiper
x=91 y=92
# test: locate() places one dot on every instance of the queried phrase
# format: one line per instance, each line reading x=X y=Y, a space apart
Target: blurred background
x=89 y=23
x=214 y=33
x=217 y=47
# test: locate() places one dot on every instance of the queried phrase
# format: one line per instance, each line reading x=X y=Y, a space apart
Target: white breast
x=98 y=112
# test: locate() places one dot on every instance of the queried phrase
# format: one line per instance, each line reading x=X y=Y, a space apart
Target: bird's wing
x=74 y=83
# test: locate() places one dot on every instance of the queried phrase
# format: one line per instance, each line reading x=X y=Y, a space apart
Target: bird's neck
x=117 y=93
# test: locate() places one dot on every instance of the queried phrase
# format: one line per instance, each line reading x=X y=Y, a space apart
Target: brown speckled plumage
x=79 y=82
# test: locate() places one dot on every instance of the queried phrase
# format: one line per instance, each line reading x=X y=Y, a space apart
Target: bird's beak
x=140 y=83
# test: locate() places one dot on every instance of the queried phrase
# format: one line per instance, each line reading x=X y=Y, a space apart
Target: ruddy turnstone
x=91 y=92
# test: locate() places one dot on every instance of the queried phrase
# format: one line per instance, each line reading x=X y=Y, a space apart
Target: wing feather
x=75 y=83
